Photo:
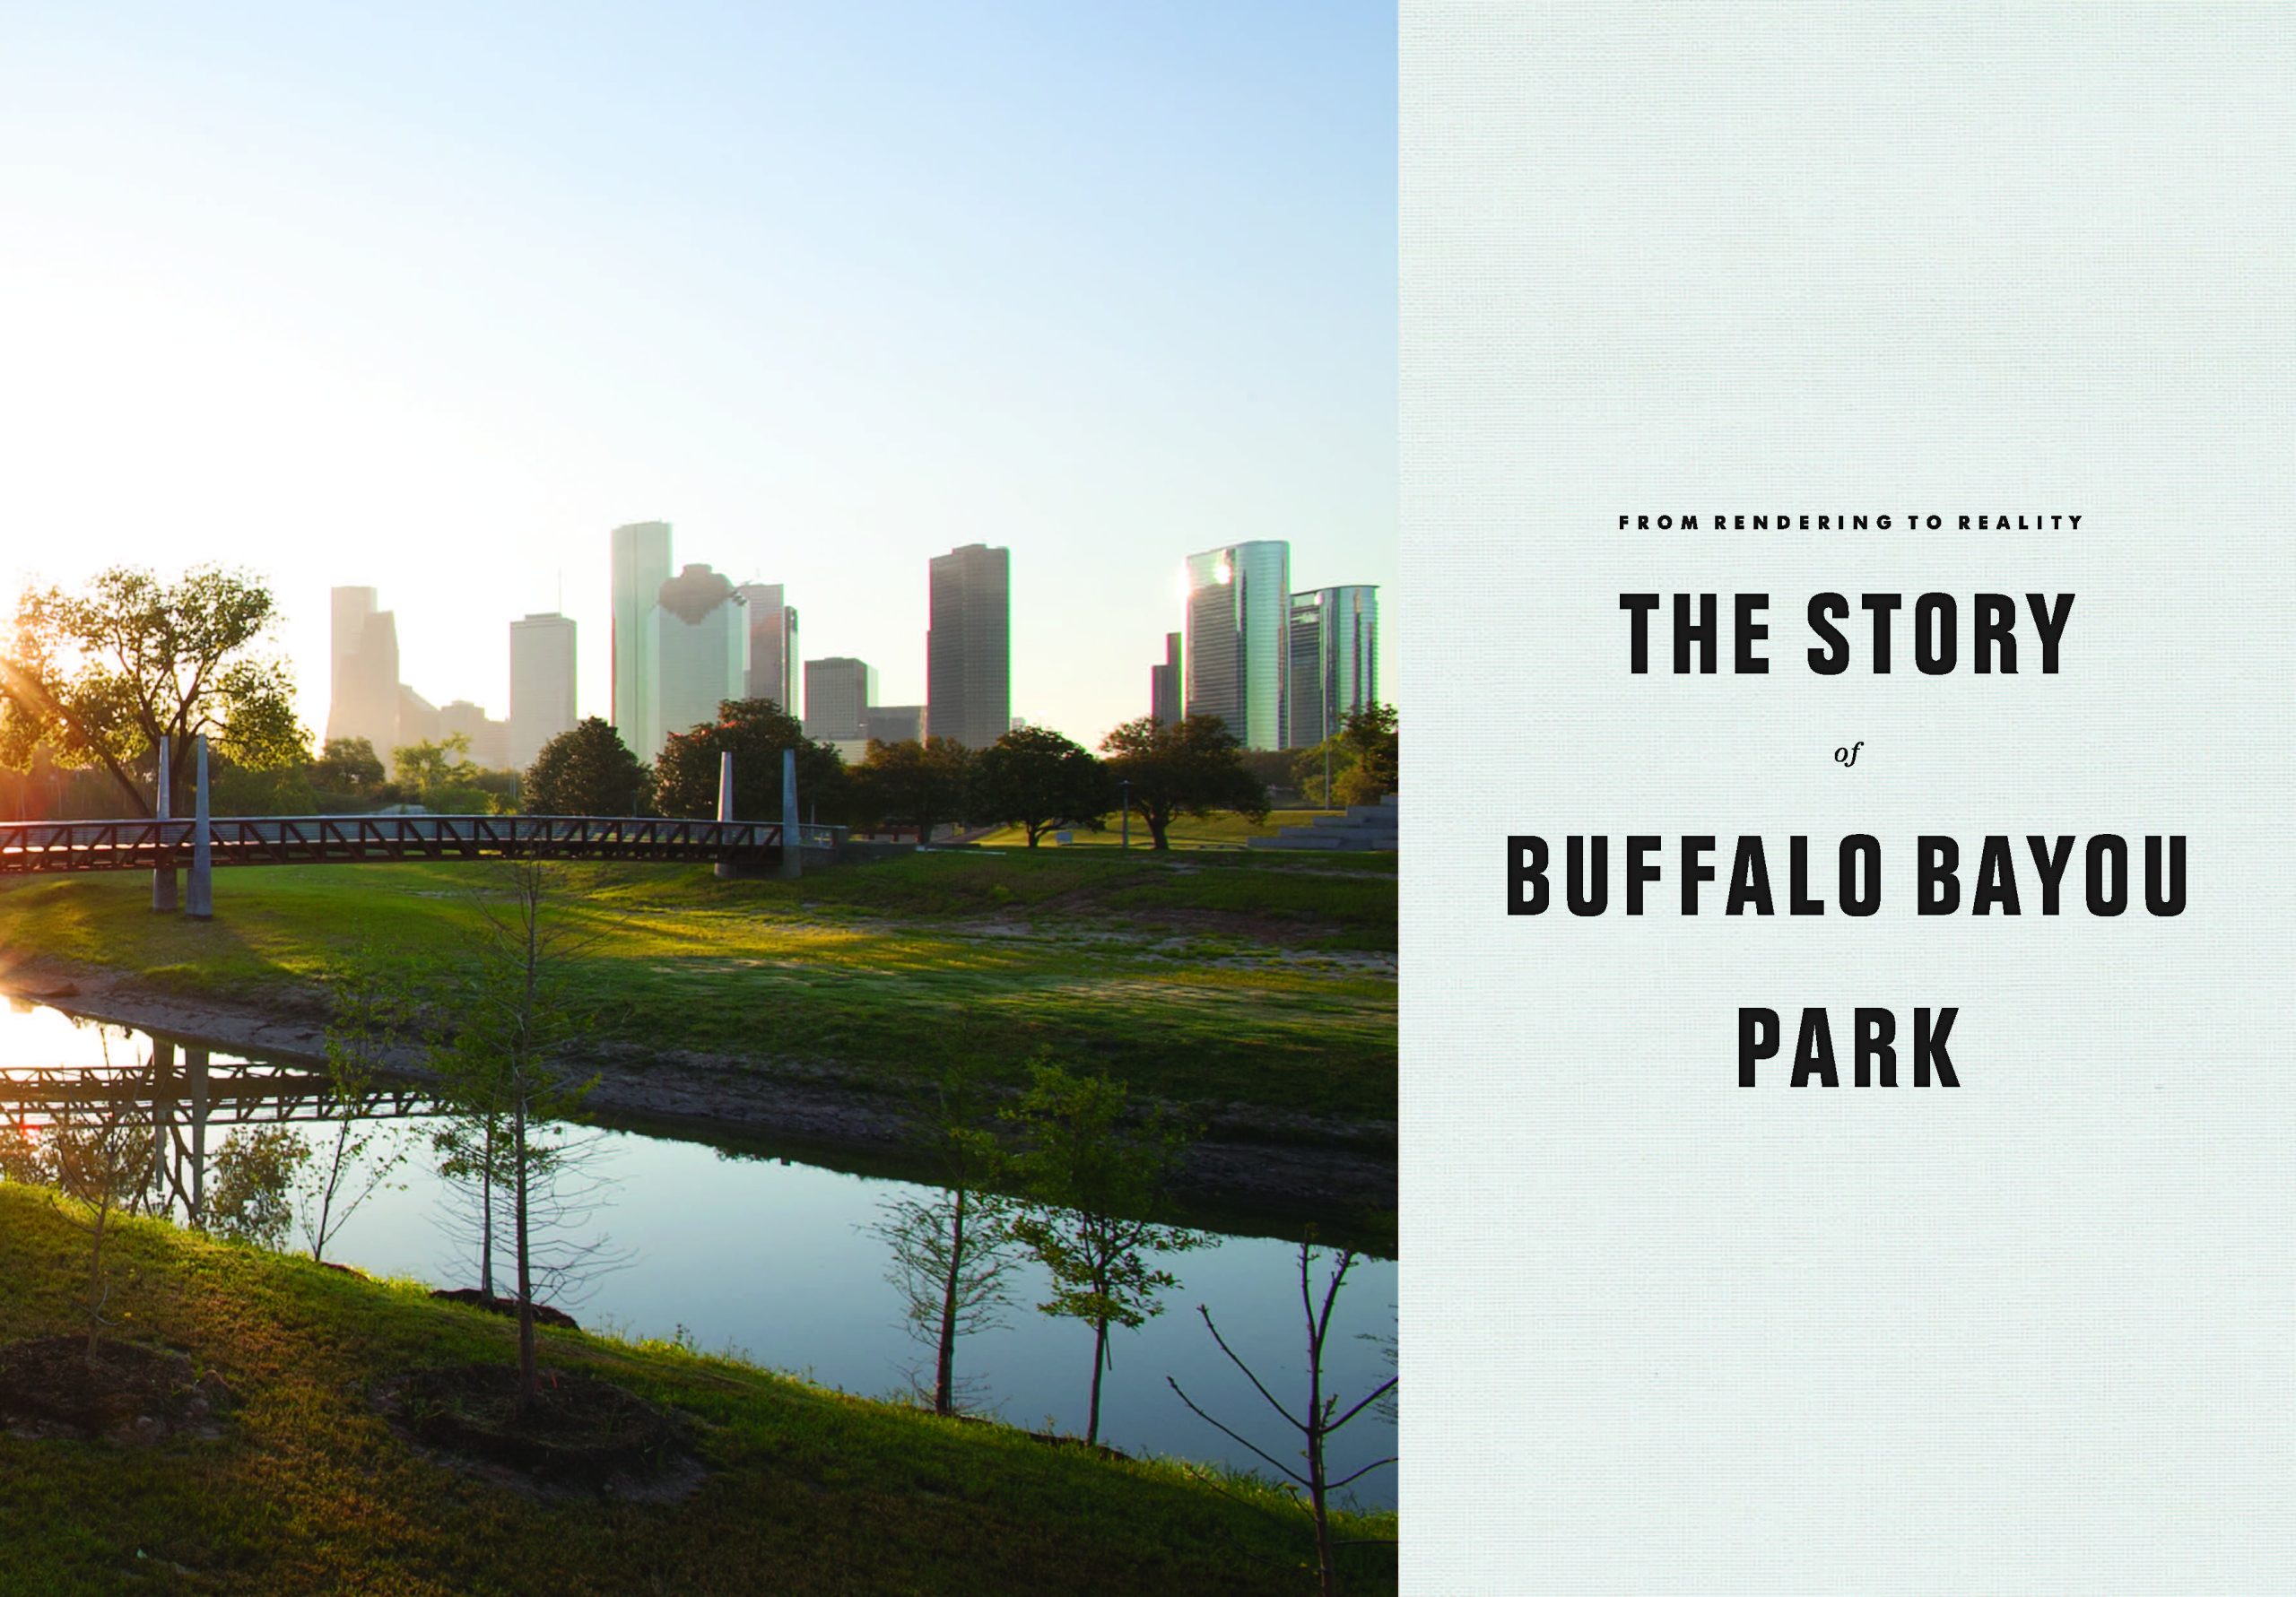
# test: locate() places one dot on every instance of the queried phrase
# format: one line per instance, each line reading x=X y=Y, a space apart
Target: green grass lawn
x=1223 y=831
x=1214 y=979
x=309 y=1489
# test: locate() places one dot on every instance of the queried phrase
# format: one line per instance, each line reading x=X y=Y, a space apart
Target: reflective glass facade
x=1238 y=615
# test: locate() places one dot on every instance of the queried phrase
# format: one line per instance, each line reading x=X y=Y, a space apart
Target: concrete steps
x=1362 y=828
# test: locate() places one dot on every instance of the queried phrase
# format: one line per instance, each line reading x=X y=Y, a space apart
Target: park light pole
x=1125 y=784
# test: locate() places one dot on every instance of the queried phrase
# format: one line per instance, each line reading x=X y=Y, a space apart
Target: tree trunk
x=1156 y=829
x=527 y=1381
x=1100 y=1362
x=326 y=1193
x=944 y=1378
x=486 y=1212
x=1324 y=1566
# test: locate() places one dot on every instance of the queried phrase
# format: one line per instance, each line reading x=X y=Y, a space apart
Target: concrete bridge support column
x=163 y=877
x=200 y=901
x=793 y=855
x=726 y=869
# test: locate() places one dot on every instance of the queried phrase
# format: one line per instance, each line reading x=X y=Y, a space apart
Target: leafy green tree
x=1034 y=778
x=255 y=1172
x=1189 y=767
x=237 y=790
x=1361 y=758
x=951 y=1259
x=756 y=731
x=442 y=777
x=1090 y=1171
x=97 y=678
x=347 y=766
x=1374 y=759
x=587 y=771
x=914 y=783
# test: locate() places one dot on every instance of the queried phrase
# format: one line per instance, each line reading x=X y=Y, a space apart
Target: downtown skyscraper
x=838 y=692
x=700 y=635
x=1237 y=649
x=775 y=671
x=1166 y=702
x=968 y=646
x=541 y=684
x=1334 y=659
x=641 y=565
x=362 y=658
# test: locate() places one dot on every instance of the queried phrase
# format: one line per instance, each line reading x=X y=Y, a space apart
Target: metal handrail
x=34 y=845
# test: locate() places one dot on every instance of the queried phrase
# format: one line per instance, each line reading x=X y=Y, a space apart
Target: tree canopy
x=348 y=766
x=756 y=731
x=1089 y=1166
x=586 y=770
x=1034 y=778
x=97 y=678
x=442 y=777
x=914 y=783
x=1362 y=757
x=1190 y=767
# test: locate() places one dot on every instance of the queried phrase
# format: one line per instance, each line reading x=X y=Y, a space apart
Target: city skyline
x=336 y=299
x=752 y=632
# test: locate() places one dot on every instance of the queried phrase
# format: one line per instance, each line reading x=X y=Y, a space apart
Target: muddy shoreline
x=1301 y=1165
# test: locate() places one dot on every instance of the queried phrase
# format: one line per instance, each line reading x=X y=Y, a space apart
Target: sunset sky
x=428 y=299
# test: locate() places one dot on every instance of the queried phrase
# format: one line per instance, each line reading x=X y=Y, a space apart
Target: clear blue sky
x=417 y=296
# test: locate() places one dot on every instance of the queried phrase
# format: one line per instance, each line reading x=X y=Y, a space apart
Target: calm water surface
x=771 y=1260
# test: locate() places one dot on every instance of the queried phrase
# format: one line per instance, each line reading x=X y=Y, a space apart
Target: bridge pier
x=726 y=869
x=201 y=905
x=163 y=877
x=793 y=852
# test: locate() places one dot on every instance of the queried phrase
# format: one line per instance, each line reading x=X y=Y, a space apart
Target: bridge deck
x=34 y=847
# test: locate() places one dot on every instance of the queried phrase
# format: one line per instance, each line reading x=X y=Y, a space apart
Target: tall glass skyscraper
x=700 y=632
x=1334 y=659
x=1238 y=618
x=542 y=684
x=641 y=565
x=774 y=670
x=968 y=646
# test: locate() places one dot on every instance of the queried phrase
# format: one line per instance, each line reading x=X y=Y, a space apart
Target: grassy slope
x=1216 y=979
x=309 y=1490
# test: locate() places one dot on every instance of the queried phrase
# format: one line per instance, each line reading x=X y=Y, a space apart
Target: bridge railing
x=42 y=846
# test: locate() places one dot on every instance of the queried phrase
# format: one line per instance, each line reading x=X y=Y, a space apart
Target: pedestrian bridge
x=33 y=847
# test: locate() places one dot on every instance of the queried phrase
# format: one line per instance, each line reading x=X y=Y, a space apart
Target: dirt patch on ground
x=50 y=1388
x=472 y=1297
x=576 y=1435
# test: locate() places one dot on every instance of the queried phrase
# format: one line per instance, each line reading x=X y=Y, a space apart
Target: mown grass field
x=1217 y=980
x=1223 y=831
x=310 y=1489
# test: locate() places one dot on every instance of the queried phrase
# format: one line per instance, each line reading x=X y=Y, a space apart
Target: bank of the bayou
x=1257 y=998
x=308 y=1485
x=1247 y=1163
